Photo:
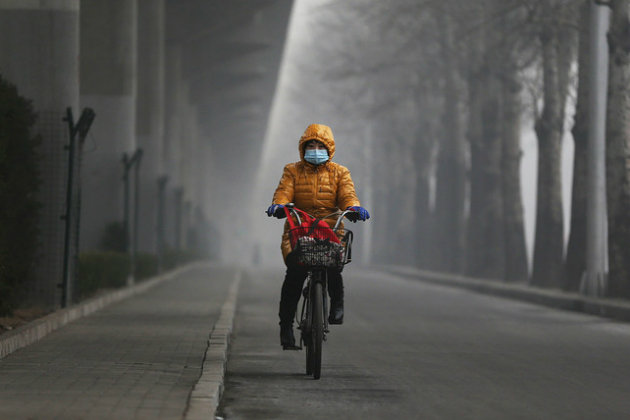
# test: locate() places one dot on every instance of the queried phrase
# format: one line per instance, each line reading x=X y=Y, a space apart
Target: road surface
x=408 y=349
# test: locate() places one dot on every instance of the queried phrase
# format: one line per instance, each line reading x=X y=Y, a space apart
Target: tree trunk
x=451 y=166
x=423 y=221
x=384 y=197
x=515 y=249
x=485 y=253
x=549 y=240
x=575 y=263
x=403 y=193
x=618 y=150
x=423 y=151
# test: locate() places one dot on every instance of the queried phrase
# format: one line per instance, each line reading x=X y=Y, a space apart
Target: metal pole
x=179 y=195
x=131 y=236
x=65 y=284
x=136 y=211
x=593 y=281
x=160 y=221
x=126 y=209
x=187 y=224
x=82 y=128
x=77 y=217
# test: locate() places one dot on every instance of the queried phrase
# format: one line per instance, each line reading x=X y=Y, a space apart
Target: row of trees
x=448 y=86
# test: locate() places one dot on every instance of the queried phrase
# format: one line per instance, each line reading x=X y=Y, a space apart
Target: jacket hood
x=321 y=133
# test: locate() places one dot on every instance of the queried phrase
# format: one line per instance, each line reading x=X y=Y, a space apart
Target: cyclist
x=318 y=186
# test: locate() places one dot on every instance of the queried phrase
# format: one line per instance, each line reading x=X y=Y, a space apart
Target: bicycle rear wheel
x=317 y=329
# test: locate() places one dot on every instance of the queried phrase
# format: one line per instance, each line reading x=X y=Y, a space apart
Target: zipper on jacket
x=317 y=186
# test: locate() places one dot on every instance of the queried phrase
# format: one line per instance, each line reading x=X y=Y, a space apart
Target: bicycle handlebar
x=295 y=211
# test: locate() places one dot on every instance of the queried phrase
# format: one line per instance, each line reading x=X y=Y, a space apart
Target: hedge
x=19 y=182
x=101 y=270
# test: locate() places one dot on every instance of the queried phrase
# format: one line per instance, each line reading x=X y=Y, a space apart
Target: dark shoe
x=287 y=340
x=336 y=313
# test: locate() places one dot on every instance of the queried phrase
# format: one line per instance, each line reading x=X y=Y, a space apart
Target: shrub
x=19 y=182
x=146 y=266
x=114 y=238
x=107 y=270
x=101 y=270
x=173 y=258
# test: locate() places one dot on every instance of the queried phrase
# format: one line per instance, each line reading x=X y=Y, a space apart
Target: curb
x=206 y=394
x=38 y=329
x=616 y=309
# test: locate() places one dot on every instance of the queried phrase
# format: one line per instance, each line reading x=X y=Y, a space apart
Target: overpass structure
x=181 y=90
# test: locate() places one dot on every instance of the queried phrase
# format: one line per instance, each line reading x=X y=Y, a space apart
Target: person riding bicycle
x=318 y=186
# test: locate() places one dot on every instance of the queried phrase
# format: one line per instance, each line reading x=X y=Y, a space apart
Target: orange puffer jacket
x=317 y=189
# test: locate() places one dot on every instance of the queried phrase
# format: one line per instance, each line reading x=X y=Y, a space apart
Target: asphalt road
x=408 y=349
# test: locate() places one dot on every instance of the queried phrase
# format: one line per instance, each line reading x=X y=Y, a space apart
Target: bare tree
x=557 y=55
x=618 y=149
x=421 y=51
x=496 y=247
x=500 y=49
x=514 y=53
x=427 y=135
x=450 y=200
x=485 y=256
x=514 y=227
x=391 y=52
x=575 y=262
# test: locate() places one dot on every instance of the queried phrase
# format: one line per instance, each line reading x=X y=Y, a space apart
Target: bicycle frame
x=313 y=321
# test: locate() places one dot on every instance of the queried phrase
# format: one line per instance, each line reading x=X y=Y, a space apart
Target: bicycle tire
x=309 y=359
x=308 y=340
x=317 y=328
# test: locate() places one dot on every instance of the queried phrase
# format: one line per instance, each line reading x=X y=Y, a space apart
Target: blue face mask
x=316 y=156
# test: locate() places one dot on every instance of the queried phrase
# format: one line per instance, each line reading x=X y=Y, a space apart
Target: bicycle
x=317 y=247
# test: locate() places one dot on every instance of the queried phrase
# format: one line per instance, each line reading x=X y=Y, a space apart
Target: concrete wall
x=39 y=49
x=108 y=85
x=84 y=53
x=150 y=115
x=172 y=158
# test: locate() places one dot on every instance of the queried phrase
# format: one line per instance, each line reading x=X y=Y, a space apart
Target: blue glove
x=362 y=214
x=276 y=210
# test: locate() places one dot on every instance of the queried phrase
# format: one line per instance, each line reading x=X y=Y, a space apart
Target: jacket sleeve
x=346 y=195
x=286 y=187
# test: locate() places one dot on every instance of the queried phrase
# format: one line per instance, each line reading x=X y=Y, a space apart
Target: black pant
x=292 y=289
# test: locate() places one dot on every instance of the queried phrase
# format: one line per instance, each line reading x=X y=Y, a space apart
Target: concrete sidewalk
x=39 y=328
x=617 y=309
x=138 y=358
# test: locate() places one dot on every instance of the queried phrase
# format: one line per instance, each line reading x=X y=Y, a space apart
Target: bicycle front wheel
x=317 y=328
